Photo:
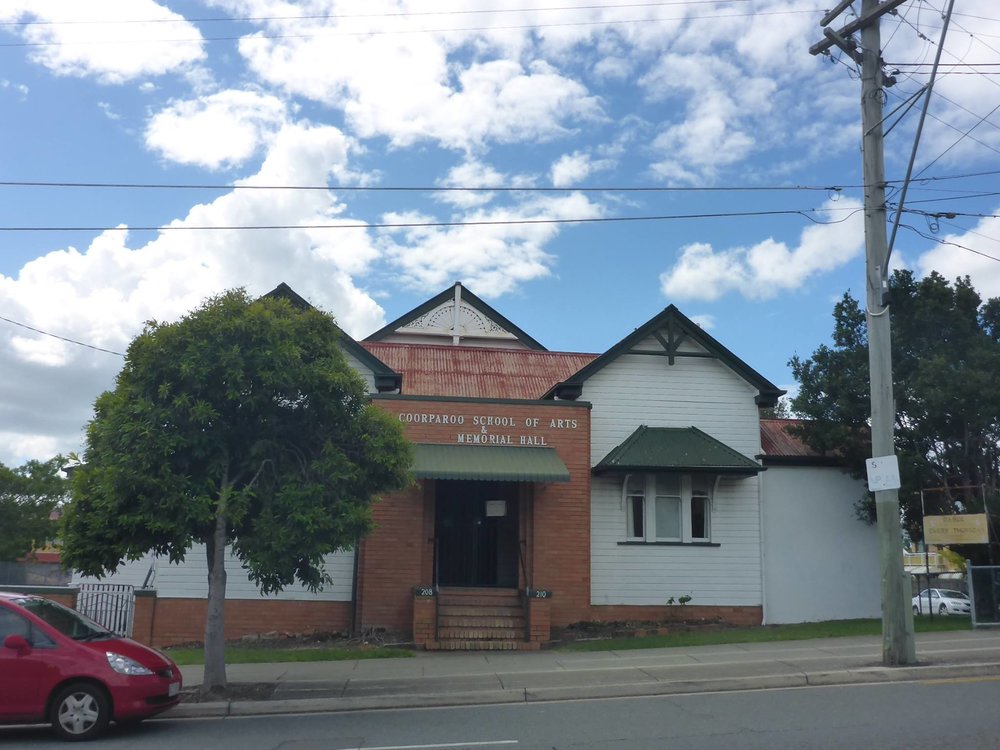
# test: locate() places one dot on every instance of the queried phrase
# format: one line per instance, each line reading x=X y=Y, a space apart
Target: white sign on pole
x=883 y=473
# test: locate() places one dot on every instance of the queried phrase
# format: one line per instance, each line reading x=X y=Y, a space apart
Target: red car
x=60 y=667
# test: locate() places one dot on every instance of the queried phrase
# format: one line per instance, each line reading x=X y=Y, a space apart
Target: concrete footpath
x=467 y=678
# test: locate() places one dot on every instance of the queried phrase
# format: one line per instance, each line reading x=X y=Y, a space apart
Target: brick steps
x=468 y=610
x=477 y=633
x=485 y=621
x=474 y=619
x=477 y=645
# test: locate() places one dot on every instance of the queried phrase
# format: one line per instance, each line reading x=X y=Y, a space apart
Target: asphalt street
x=957 y=714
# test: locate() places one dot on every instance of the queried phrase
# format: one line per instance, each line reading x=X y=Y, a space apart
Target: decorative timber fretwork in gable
x=671 y=335
x=456 y=316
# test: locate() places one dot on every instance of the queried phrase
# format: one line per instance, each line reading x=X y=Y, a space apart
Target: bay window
x=668 y=508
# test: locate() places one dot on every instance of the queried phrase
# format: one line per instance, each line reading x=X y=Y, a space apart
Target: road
x=957 y=714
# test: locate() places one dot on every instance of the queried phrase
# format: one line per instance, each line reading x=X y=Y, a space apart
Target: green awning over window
x=502 y=463
x=686 y=449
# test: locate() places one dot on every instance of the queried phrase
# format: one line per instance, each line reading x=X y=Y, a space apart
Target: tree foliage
x=28 y=495
x=241 y=425
x=946 y=356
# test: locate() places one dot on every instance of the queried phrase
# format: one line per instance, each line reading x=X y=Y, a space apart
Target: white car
x=941 y=602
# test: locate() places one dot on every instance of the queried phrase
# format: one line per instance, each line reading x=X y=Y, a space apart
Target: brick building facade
x=552 y=488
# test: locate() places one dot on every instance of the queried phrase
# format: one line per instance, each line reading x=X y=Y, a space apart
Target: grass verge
x=765 y=634
x=251 y=655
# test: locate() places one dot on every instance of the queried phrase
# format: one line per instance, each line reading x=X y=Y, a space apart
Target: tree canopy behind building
x=946 y=357
x=242 y=424
x=28 y=495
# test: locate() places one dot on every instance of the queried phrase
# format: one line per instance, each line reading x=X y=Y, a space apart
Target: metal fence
x=110 y=604
x=984 y=591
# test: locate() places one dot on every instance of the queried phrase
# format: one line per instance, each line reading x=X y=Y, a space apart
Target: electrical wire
x=393 y=32
x=342 y=16
x=472 y=188
x=423 y=188
x=940 y=241
x=916 y=139
x=61 y=338
x=805 y=213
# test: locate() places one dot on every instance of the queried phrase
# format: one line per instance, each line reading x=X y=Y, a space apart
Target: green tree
x=946 y=354
x=241 y=425
x=782 y=409
x=28 y=495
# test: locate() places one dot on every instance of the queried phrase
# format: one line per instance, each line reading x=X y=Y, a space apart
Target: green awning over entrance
x=501 y=463
x=686 y=449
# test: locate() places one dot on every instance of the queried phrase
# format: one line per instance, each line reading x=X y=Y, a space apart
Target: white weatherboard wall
x=364 y=372
x=820 y=561
x=700 y=392
x=189 y=579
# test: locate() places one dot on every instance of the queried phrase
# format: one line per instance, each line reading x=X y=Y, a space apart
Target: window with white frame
x=668 y=507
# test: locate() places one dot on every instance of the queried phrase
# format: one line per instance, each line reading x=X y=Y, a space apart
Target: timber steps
x=480 y=619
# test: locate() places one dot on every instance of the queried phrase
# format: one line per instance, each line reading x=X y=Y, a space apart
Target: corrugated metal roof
x=502 y=463
x=777 y=440
x=477 y=372
x=780 y=446
x=675 y=449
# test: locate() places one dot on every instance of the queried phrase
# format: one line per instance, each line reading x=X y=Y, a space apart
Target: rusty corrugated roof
x=477 y=372
x=778 y=441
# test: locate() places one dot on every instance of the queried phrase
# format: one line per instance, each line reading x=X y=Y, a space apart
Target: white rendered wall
x=700 y=392
x=820 y=561
x=189 y=579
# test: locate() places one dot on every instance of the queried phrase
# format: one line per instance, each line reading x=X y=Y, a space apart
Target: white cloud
x=492 y=259
x=101 y=295
x=102 y=44
x=20 y=88
x=613 y=68
x=108 y=111
x=769 y=267
x=219 y=130
x=706 y=322
x=570 y=169
x=470 y=173
x=412 y=87
x=951 y=261
x=723 y=104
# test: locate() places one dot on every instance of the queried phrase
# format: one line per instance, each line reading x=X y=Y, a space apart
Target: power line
x=970 y=231
x=959 y=140
x=342 y=16
x=991 y=194
x=953 y=127
x=940 y=241
x=376 y=32
x=423 y=188
x=469 y=188
x=805 y=213
x=61 y=338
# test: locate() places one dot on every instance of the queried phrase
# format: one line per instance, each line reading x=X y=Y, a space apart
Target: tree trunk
x=215 y=633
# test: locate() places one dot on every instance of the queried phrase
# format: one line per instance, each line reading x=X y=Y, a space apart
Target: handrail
x=524 y=568
x=435 y=564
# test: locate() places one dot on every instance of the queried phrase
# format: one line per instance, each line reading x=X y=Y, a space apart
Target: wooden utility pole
x=897 y=618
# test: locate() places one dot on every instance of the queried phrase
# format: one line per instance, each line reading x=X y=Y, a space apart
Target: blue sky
x=564 y=110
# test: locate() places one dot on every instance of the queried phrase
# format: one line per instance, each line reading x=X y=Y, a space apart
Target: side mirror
x=17 y=643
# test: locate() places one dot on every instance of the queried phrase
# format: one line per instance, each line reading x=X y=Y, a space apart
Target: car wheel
x=80 y=711
x=943 y=610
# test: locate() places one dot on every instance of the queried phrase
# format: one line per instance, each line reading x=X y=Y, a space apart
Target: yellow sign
x=967 y=529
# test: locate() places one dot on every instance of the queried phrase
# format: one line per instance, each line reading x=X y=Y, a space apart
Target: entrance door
x=477 y=532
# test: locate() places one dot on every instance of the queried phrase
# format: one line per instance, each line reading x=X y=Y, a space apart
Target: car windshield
x=65 y=620
x=953 y=594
